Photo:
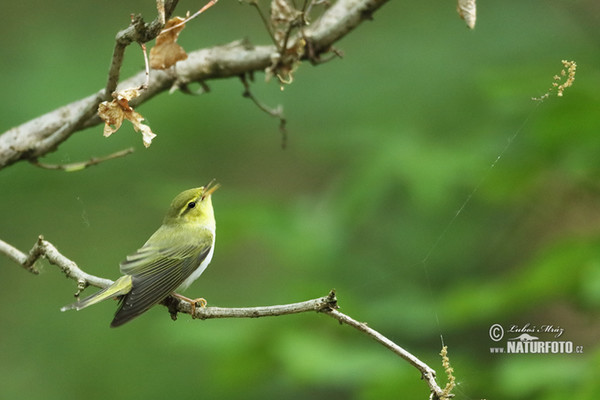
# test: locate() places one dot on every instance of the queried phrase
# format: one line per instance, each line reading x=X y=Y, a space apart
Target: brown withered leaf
x=283 y=15
x=167 y=52
x=284 y=18
x=284 y=65
x=114 y=112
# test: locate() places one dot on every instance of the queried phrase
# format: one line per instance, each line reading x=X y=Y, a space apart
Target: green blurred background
x=390 y=190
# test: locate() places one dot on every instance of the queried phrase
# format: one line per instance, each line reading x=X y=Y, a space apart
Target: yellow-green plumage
x=174 y=256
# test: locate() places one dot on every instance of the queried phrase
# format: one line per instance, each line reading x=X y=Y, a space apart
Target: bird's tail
x=120 y=287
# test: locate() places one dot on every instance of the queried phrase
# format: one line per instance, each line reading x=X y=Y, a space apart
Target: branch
x=319 y=304
x=427 y=372
x=43 y=248
x=138 y=32
x=326 y=304
x=77 y=166
x=273 y=112
x=44 y=134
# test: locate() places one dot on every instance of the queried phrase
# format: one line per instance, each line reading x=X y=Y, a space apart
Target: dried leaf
x=167 y=52
x=171 y=31
x=283 y=16
x=114 y=112
x=283 y=12
x=285 y=67
x=112 y=115
x=467 y=11
x=127 y=94
x=147 y=134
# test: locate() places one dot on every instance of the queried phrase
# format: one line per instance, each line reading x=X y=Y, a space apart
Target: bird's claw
x=193 y=303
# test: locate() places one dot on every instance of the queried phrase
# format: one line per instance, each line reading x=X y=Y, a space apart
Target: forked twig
x=200 y=11
x=273 y=112
x=326 y=304
x=264 y=19
x=45 y=133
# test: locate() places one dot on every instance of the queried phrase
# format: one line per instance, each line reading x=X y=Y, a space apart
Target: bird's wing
x=156 y=272
x=166 y=247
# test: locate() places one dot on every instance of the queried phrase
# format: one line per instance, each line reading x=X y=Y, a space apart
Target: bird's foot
x=193 y=302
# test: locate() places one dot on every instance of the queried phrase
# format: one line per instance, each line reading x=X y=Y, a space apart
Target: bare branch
x=45 y=249
x=427 y=372
x=42 y=135
x=17 y=256
x=39 y=136
x=78 y=166
x=273 y=112
x=319 y=304
x=140 y=32
x=264 y=19
x=146 y=67
x=326 y=304
x=200 y=11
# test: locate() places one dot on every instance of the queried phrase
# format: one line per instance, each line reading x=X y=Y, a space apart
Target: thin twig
x=326 y=304
x=147 y=67
x=315 y=57
x=114 y=71
x=200 y=11
x=54 y=129
x=185 y=88
x=43 y=134
x=427 y=372
x=140 y=32
x=306 y=9
x=78 y=166
x=45 y=249
x=264 y=20
x=298 y=22
x=274 y=112
x=124 y=38
x=319 y=304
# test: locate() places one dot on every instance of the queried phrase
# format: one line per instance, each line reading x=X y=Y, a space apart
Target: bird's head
x=193 y=206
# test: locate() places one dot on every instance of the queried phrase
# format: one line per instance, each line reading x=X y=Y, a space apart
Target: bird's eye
x=191 y=204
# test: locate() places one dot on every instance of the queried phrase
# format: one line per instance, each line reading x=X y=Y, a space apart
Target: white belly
x=196 y=274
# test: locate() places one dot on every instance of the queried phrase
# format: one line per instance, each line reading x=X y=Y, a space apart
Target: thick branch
x=326 y=304
x=42 y=135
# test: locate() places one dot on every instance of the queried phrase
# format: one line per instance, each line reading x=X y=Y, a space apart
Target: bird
x=171 y=259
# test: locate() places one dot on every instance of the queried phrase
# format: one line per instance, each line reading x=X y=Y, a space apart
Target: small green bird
x=174 y=257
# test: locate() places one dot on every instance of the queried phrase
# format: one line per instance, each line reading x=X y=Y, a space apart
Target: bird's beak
x=210 y=188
